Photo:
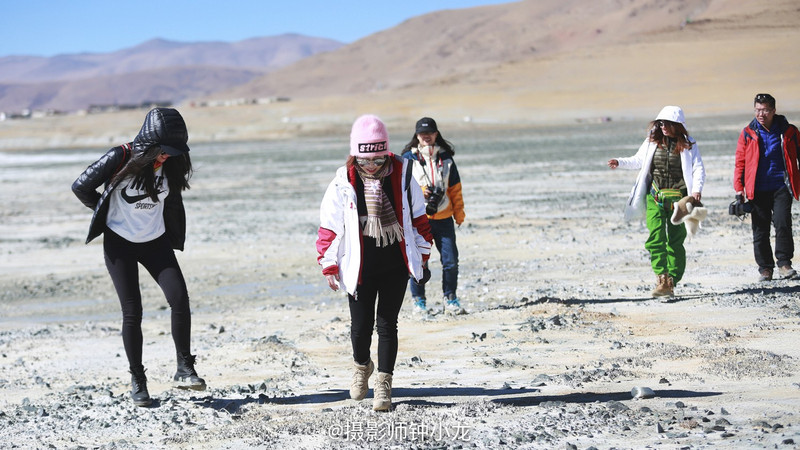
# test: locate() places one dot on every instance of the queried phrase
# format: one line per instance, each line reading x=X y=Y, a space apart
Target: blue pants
x=444 y=236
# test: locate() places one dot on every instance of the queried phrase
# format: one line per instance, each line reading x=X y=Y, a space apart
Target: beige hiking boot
x=664 y=287
x=383 y=392
x=360 y=385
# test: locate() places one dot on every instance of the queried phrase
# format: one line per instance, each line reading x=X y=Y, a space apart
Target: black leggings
x=389 y=288
x=122 y=258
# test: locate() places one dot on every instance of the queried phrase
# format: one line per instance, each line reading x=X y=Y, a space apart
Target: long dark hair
x=178 y=170
x=679 y=133
x=440 y=141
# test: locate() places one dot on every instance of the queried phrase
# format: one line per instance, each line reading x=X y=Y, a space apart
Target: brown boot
x=360 y=384
x=383 y=392
x=664 y=287
x=671 y=288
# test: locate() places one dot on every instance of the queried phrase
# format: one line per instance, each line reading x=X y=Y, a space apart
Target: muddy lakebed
x=561 y=333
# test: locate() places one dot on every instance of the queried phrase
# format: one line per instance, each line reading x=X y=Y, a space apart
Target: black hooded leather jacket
x=102 y=170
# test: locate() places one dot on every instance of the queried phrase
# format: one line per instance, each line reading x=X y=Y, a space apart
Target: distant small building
x=148 y=104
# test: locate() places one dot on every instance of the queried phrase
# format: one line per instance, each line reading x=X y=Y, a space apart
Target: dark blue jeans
x=772 y=208
x=444 y=236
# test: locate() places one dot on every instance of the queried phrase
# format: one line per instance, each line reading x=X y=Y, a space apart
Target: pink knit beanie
x=369 y=138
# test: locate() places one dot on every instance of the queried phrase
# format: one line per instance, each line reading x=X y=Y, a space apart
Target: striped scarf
x=382 y=222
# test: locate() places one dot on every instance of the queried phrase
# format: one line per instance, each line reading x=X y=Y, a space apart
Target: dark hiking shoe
x=139 y=393
x=765 y=275
x=787 y=272
x=186 y=377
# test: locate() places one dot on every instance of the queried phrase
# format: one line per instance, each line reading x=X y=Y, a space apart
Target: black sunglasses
x=366 y=161
x=764 y=98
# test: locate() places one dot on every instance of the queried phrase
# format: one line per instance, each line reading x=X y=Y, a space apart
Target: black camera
x=739 y=207
x=434 y=198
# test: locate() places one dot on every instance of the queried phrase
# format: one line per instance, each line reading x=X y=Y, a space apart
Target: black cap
x=426 y=125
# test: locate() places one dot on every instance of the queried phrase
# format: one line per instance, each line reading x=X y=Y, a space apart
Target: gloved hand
x=739 y=198
x=426 y=275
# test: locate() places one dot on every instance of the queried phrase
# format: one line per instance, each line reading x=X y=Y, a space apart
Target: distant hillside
x=453 y=43
x=155 y=70
x=527 y=63
x=504 y=56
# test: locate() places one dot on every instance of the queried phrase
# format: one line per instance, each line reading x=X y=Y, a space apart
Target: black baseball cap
x=426 y=125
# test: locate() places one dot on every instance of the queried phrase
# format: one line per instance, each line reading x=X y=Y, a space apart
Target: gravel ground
x=559 y=337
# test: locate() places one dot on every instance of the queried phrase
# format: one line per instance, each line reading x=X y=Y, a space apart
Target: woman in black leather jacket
x=142 y=217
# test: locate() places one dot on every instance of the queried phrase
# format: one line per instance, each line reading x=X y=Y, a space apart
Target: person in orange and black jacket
x=767 y=175
x=436 y=171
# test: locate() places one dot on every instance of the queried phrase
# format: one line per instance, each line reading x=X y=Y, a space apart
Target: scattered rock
x=642 y=392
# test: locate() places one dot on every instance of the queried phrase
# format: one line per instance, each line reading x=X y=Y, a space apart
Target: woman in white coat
x=670 y=168
x=373 y=234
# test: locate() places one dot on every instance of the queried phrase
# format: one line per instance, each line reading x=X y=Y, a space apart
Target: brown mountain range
x=527 y=62
x=559 y=59
x=157 y=70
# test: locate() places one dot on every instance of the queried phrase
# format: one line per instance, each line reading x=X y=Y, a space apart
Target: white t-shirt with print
x=133 y=215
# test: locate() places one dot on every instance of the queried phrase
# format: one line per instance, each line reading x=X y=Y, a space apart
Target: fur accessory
x=689 y=211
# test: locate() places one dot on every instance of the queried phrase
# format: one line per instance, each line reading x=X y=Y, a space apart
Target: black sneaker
x=186 y=377
x=139 y=393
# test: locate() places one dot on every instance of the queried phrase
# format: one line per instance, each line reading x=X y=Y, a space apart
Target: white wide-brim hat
x=672 y=113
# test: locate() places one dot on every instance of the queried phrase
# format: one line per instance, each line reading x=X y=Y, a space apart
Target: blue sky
x=51 y=27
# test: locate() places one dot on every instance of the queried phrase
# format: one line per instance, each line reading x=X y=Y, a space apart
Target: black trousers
x=388 y=288
x=772 y=208
x=122 y=259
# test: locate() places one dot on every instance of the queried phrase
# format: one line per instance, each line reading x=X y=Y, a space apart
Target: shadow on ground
x=422 y=397
x=766 y=290
x=591 y=397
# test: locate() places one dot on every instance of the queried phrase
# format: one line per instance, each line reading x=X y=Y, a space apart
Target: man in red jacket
x=768 y=175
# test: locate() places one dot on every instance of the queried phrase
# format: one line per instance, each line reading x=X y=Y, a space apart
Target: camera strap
x=421 y=161
x=409 y=172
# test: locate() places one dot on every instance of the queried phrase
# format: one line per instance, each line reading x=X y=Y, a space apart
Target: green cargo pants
x=665 y=242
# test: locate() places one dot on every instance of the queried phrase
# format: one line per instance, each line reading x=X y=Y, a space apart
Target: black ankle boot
x=139 y=393
x=186 y=377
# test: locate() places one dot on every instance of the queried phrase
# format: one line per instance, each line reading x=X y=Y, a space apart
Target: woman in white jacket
x=373 y=234
x=670 y=169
